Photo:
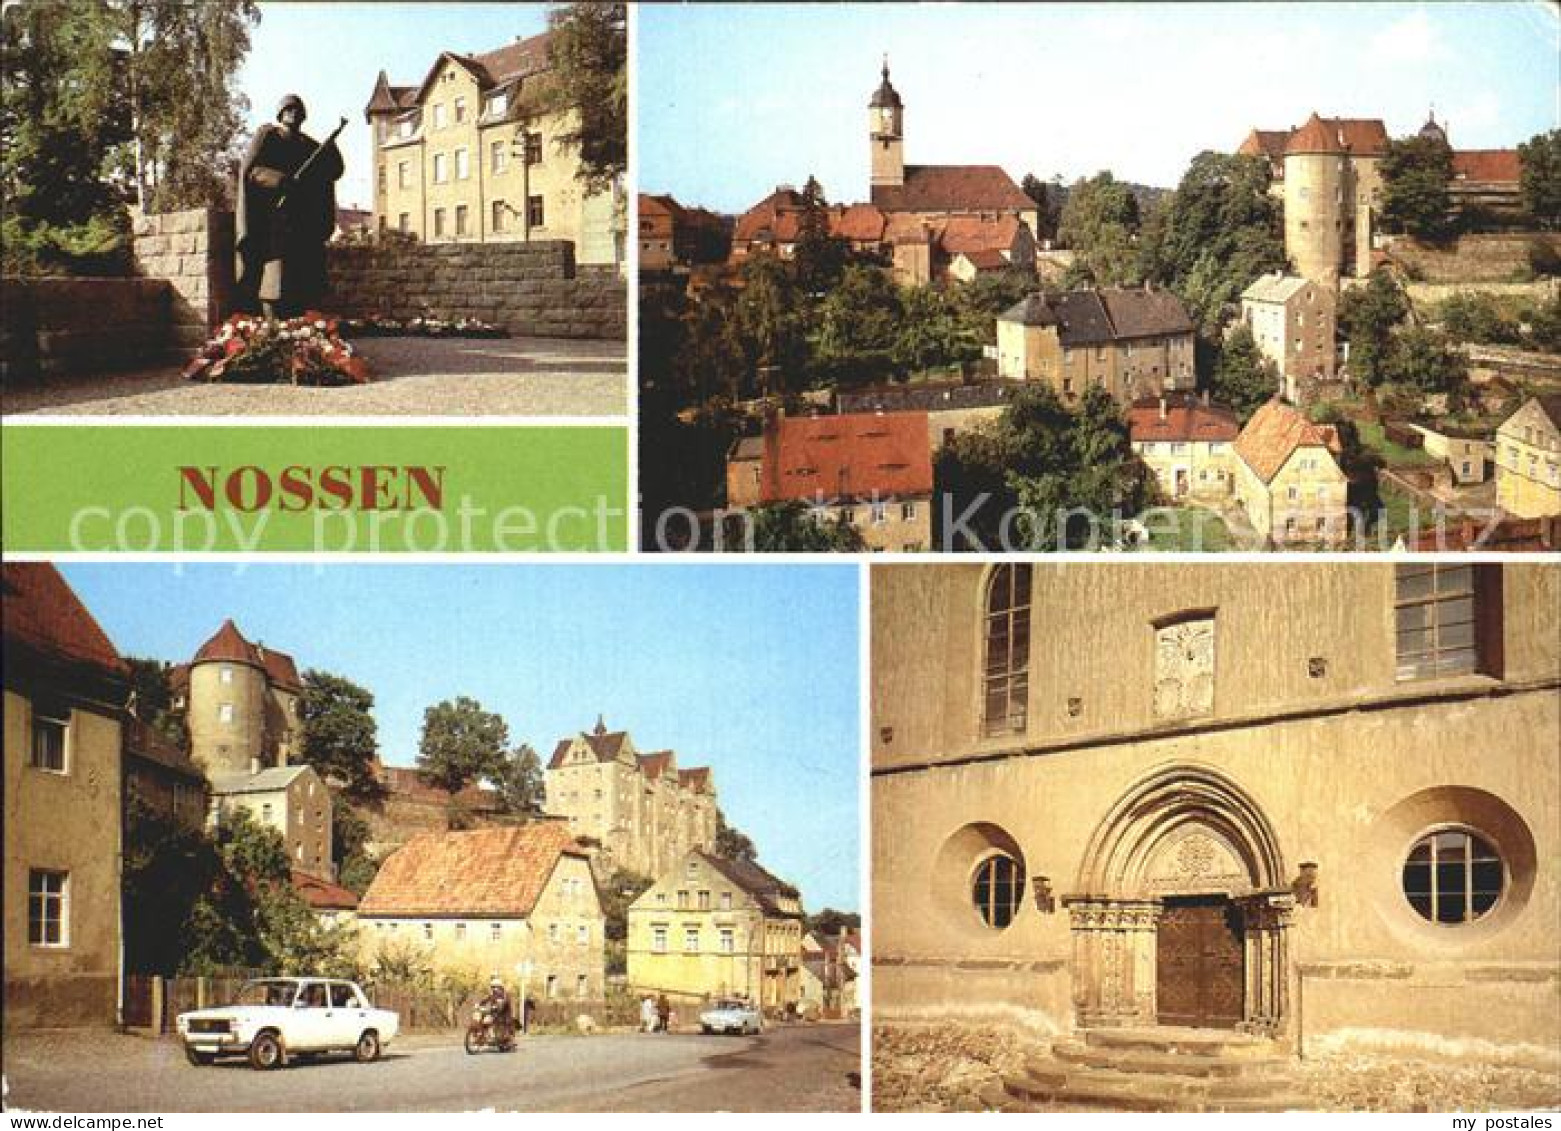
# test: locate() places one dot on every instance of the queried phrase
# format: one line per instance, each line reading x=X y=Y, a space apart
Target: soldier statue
x=286 y=213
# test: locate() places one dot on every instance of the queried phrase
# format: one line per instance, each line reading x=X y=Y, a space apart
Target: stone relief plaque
x=1184 y=669
x=1199 y=861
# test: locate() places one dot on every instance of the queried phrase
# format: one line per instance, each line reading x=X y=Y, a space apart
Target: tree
x=1472 y=316
x=519 y=781
x=621 y=888
x=1426 y=360
x=64 y=124
x=1415 y=175
x=589 y=50
x=1243 y=378
x=461 y=743
x=792 y=526
x=340 y=736
x=1217 y=232
x=831 y=922
x=935 y=330
x=859 y=322
x=818 y=257
x=731 y=843
x=1367 y=315
x=181 y=63
x=1100 y=223
x=350 y=832
x=771 y=323
x=1012 y=483
x=1545 y=327
x=1539 y=177
x=167 y=868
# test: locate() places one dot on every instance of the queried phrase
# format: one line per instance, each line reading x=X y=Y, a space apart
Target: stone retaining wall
x=193 y=251
x=61 y=326
x=528 y=288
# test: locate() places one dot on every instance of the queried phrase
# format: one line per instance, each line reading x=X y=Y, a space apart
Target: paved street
x=412 y=377
x=788 y=1068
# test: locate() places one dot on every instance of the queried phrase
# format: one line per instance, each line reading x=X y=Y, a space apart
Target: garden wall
x=528 y=288
x=60 y=326
x=1504 y=258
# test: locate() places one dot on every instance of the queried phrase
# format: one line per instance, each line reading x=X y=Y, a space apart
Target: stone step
x=1138 y=1059
x=1109 y=1090
x=1061 y=1075
x=1183 y=1041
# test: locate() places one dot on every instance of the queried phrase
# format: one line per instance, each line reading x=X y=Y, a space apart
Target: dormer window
x=498 y=103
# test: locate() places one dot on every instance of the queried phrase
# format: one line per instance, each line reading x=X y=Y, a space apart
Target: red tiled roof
x=1488 y=166
x=42 y=613
x=606 y=745
x=1274 y=433
x=859 y=223
x=521 y=58
x=697 y=779
x=483 y=872
x=975 y=233
x=1183 y=421
x=854 y=456
x=1359 y=137
x=986 y=259
x=229 y=645
x=1265 y=143
x=657 y=764
x=322 y=895
x=759 y=222
x=952 y=188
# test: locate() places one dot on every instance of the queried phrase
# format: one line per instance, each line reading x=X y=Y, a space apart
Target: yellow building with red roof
x=1288 y=479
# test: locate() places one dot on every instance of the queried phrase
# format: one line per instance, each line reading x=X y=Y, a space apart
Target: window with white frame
x=658 y=939
x=438 y=115
x=441 y=170
x=225 y=674
x=403 y=175
x=726 y=901
x=495 y=931
x=225 y=712
x=462 y=164
x=51 y=726
x=728 y=940
x=690 y=940
x=497 y=224
x=582 y=985
x=48 y=907
x=460 y=109
x=497 y=156
x=583 y=934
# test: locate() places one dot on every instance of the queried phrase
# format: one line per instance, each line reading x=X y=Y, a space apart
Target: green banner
x=333 y=489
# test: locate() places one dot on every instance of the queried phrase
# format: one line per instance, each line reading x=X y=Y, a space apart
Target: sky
x=751 y=670
x=736 y=99
x=330 y=54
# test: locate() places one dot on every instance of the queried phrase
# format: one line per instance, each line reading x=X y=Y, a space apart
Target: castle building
x=711 y=927
x=641 y=810
x=1135 y=343
x=241 y=703
x=1328 y=172
x=473 y=154
x=1319 y=806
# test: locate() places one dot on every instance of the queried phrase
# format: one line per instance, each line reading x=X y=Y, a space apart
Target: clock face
x=886 y=119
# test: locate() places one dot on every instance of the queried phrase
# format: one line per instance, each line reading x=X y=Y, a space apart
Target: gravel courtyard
x=412 y=377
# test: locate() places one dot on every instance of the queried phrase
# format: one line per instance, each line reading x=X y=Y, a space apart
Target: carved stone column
x=1266 y=918
x=1113 y=960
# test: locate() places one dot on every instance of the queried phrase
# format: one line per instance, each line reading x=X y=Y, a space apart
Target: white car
x=729 y=1015
x=275 y=1018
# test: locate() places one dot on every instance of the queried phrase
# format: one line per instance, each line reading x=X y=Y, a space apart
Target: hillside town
x=230 y=817
x=1332 y=335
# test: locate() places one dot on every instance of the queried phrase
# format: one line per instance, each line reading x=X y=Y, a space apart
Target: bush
x=1544 y=258
x=98 y=247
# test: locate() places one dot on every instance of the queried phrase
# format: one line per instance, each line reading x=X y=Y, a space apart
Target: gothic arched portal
x=1185 y=843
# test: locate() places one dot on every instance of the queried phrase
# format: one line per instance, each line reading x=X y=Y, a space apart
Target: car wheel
x=199 y=1059
x=706 y=1030
x=265 y=1052
x=368 y=1047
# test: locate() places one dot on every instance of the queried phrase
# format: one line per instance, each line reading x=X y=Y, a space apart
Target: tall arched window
x=1006 y=675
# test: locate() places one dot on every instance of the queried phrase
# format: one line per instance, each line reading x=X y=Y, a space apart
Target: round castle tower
x=886 y=134
x=1314 y=202
x=226 y=705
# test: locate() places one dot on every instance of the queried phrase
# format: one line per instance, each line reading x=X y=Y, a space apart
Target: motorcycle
x=488 y=1031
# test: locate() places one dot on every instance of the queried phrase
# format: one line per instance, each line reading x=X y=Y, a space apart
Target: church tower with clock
x=886 y=133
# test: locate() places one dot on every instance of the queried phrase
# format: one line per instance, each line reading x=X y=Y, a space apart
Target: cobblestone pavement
x=787 y=1068
x=413 y=377
x=944 y=1068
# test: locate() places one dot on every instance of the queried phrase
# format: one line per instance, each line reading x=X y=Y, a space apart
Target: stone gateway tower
x=241 y=702
x=886 y=134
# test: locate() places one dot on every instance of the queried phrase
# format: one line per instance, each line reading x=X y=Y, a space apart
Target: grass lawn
x=1394 y=517
x=1187 y=529
x=1373 y=437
